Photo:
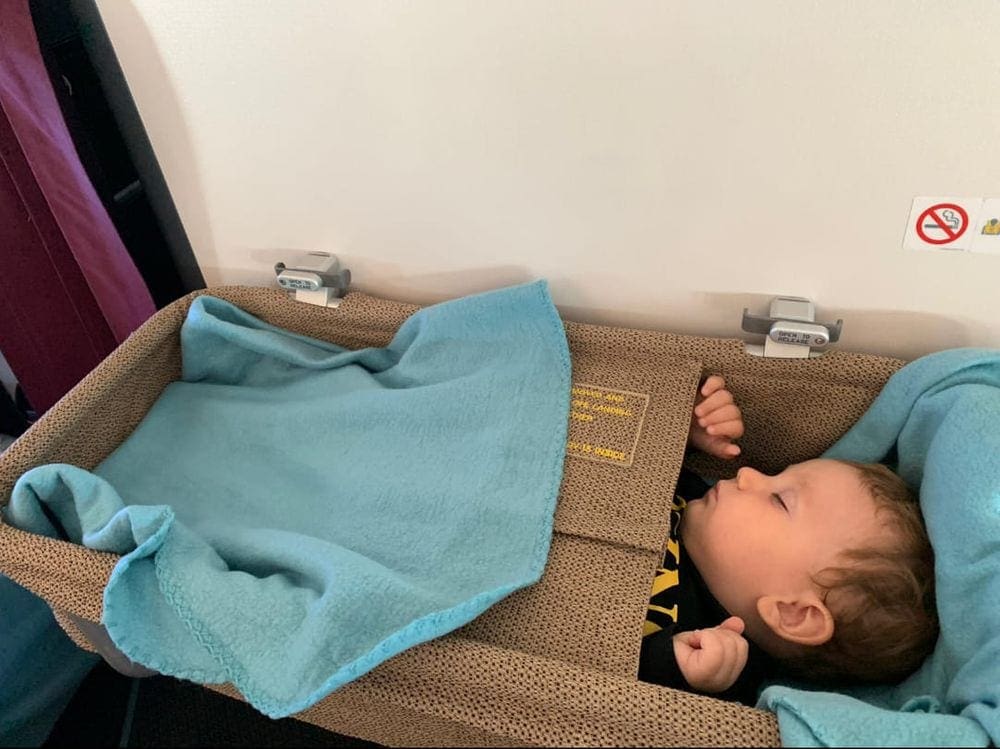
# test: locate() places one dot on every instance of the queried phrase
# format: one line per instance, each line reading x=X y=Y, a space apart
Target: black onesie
x=680 y=601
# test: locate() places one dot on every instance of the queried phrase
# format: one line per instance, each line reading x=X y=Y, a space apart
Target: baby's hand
x=712 y=659
x=716 y=420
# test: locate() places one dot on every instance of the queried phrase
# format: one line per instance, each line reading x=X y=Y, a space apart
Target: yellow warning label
x=605 y=424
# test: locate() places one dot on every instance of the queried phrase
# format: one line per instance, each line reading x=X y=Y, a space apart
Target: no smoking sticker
x=941 y=223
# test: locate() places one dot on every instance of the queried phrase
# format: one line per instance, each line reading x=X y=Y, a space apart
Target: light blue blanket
x=292 y=514
x=40 y=667
x=942 y=414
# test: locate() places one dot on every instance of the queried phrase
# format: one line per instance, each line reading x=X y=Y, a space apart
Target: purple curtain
x=69 y=292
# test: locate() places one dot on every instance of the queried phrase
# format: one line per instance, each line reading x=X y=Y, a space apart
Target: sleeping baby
x=822 y=572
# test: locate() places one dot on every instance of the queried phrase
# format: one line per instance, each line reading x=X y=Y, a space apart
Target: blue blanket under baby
x=941 y=416
x=293 y=513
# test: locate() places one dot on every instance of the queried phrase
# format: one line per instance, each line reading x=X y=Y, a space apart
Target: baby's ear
x=800 y=619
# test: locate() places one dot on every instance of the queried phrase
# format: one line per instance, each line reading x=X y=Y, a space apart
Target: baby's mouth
x=711 y=494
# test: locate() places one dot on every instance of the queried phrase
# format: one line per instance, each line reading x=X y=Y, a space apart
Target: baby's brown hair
x=881 y=598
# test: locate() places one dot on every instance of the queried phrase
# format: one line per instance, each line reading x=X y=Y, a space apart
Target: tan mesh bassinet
x=554 y=664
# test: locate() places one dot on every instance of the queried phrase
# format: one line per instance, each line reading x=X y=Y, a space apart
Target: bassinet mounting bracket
x=314 y=278
x=791 y=329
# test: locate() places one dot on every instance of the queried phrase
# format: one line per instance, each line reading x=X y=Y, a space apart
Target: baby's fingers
x=734 y=624
x=720 y=447
x=690 y=638
x=712 y=659
x=729 y=655
x=731 y=429
x=716 y=400
x=713 y=383
x=728 y=450
x=729 y=412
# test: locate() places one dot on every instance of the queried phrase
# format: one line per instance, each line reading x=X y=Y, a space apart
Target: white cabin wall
x=662 y=164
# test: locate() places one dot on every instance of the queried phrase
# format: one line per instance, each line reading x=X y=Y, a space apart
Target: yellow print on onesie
x=662 y=609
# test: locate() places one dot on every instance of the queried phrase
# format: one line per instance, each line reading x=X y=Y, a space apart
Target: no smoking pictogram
x=942 y=223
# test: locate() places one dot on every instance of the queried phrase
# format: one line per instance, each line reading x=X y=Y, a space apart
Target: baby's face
x=758 y=535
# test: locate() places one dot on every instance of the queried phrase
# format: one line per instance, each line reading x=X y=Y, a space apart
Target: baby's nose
x=740 y=478
x=746 y=477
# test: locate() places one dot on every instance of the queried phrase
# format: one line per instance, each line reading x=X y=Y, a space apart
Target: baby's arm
x=716 y=420
x=712 y=659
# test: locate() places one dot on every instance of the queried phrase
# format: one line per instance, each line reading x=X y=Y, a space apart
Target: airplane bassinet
x=553 y=664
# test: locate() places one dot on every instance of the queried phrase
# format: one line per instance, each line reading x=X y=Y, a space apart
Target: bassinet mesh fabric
x=553 y=664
